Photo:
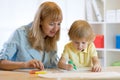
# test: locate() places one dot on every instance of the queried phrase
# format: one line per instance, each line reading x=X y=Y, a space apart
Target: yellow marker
x=40 y=72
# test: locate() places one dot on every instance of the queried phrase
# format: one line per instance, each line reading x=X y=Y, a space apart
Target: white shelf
x=100 y=49
x=109 y=54
x=92 y=22
x=116 y=50
x=112 y=22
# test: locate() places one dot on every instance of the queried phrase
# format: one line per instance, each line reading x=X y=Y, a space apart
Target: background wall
x=15 y=13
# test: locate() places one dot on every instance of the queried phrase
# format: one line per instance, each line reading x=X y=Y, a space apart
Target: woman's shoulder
x=20 y=32
x=24 y=27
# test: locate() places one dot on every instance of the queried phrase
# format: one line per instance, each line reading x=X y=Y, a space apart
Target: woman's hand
x=34 y=64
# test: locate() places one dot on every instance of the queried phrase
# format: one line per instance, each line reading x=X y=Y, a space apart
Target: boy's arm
x=62 y=64
x=96 y=64
x=95 y=60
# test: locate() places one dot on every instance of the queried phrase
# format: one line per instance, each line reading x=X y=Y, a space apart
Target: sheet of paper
x=90 y=75
x=85 y=69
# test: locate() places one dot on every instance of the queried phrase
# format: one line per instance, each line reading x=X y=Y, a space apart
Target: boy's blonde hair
x=81 y=29
x=47 y=10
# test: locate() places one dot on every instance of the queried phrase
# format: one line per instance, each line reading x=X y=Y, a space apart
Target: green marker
x=71 y=62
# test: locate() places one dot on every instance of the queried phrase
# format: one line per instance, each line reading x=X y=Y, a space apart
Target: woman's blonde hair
x=47 y=10
x=81 y=29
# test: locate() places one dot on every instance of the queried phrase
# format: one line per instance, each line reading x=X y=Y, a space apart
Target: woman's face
x=50 y=27
x=80 y=44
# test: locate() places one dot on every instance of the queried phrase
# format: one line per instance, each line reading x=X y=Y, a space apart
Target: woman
x=34 y=45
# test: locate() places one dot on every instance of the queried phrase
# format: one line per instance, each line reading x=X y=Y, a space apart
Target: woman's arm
x=11 y=65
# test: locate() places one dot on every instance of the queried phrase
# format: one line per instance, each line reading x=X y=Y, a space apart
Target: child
x=81 y=49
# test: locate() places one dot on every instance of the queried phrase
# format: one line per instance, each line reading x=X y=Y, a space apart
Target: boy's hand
x=71 y=62
x=96 y=68
x=69 y=67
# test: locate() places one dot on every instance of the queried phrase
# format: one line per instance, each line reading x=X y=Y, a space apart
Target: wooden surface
x=24 y=75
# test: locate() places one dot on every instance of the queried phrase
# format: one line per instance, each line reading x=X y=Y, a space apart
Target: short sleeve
x=92 y=50
x=10 y=47
x=65 y=52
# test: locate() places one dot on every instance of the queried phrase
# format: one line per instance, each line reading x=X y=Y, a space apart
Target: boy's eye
x=77 y=42
x=80 y=42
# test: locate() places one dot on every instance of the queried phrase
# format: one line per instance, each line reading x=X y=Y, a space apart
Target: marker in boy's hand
x=74 y=66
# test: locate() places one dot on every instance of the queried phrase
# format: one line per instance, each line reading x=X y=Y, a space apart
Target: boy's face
x=80 y=44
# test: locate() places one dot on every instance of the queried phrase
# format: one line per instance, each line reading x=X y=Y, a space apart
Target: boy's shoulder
x=68 y=44
x=91 y=46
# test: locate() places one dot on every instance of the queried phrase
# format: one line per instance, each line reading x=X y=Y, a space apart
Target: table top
x=24 y=75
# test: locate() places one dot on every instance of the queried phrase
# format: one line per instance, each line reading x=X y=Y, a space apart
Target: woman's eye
x=83 y=42
x=59 y=24
x=51 y=24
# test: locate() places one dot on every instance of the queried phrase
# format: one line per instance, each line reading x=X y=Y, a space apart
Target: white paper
x=88 y=75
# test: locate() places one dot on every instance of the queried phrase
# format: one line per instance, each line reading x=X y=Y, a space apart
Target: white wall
x=15 y=13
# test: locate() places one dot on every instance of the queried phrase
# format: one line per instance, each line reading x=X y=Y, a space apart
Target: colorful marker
x=71 y=62
x=40 y=72
x=37 y=72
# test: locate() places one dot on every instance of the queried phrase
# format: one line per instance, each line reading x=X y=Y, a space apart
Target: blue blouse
x=17 y=48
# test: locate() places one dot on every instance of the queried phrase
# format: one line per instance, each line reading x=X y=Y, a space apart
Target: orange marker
x=33 y=71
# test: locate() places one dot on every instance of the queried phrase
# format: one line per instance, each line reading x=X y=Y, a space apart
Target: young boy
x=80 y=49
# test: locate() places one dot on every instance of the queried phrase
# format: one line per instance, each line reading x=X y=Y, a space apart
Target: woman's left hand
x=34 y=64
